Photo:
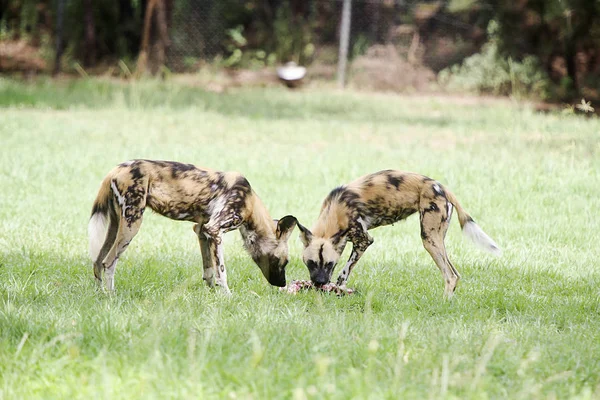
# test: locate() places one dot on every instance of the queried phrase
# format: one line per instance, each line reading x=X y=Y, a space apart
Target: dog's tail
x=103 y=216
x=471 y=229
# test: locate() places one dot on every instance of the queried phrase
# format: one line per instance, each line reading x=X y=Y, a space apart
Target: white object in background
x=291 y=73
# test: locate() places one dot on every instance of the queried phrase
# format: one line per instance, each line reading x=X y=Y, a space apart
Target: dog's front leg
x=345 y=274
x=220 y=267
x=214 y=247
x=361 y=240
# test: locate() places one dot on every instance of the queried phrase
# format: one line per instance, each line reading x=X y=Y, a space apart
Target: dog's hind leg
x=111 y=236
x=125 y=234
x=435 y=214
x=207 y=263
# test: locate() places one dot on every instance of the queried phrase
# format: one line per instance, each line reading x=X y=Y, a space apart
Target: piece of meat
x=295 y=286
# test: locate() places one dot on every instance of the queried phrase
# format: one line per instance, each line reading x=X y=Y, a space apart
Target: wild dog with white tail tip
x=380 y=199
x=218 y=202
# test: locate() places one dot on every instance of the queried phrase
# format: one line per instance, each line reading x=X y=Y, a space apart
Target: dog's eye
x=311 y=264
x=329 y=265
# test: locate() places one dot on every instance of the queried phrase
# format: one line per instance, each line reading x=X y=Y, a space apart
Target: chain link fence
x=392 y=44
x=499 y=48
x=197 y=34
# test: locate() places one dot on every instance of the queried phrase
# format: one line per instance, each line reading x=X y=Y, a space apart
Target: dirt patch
x=382 y=68
x=19 y=56
x=219 y=80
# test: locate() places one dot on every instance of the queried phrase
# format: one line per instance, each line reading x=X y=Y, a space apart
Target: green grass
x=526 y=325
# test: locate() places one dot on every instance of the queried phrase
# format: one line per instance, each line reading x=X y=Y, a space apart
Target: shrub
x=491 y=72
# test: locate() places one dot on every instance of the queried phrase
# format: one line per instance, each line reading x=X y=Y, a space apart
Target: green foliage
x=291 y=36
x=563 y=31
x=488 y=72
x=117 y=34
x=491 y=72
x=455 y=6
x=28 y=16
x=241 y=56
x=288 y=37
x=523 y=326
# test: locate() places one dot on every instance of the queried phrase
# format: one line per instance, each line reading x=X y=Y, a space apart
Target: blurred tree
x=563 y=34
x=89 y=55
x=558 y=32
x=155 y=37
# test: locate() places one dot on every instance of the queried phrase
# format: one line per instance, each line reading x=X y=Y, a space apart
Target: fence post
x=344 y=43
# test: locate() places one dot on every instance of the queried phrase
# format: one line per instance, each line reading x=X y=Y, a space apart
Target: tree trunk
x=162 y=40
x=89 y=58
x=143 y=57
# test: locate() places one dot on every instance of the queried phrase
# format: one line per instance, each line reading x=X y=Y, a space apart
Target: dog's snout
x=320 y=280
x=277 y=279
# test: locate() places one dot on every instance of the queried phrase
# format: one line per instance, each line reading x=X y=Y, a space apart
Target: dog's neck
x=333 y=218
x=258 y=232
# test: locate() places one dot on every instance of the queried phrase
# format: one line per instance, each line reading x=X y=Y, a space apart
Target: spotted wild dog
x=378 y=199
x=217 y=202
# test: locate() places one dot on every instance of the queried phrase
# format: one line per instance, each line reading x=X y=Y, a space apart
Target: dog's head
x=271 y=255
x=320 y=255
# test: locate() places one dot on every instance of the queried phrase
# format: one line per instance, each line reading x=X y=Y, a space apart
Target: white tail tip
x=97 y=228
x=480 y=238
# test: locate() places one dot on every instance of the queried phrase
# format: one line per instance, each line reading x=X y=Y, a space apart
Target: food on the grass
x=296 y=286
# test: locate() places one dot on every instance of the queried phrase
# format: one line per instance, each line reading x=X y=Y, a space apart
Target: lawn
x=525 y=325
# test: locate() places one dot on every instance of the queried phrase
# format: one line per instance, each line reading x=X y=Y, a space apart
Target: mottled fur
x=378 y=199
x=217 y=202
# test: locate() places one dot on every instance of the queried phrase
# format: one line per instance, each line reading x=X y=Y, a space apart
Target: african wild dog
x=379 y=199
x=217 y=202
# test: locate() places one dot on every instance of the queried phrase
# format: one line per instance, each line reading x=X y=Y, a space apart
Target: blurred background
x=542 y=49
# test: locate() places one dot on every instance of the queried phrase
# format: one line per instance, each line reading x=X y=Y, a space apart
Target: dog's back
x=381 y=198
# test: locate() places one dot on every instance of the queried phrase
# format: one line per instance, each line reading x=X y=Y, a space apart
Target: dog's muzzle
x=320 y=279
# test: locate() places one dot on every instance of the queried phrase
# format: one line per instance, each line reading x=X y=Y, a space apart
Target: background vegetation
x=543 y=48
x=523 y=326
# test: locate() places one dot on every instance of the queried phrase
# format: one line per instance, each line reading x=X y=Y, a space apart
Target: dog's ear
x=339 y=239
x=305 y=235
x=285 y=226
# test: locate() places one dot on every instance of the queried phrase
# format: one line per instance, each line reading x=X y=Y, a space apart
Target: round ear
x=285 y=226
x=305 y=235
